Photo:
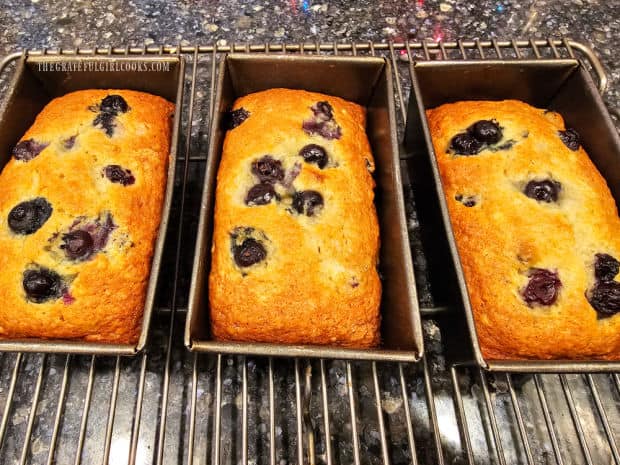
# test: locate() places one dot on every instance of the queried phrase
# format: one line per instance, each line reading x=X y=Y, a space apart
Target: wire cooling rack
x=171 y=406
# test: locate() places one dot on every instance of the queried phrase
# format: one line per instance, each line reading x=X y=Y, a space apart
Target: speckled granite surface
x=36 y=23
x=82 y=431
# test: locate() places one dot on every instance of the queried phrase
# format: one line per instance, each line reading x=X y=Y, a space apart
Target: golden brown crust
x=319 y=283
x=108 y=289
x=506 y=233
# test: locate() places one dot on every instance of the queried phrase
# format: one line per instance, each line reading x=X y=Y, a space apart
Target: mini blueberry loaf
x=80 y=206
x=536 y=228
x=296 y=238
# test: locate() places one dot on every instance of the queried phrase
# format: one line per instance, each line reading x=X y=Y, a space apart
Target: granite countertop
x=65 y=23
x=68 y=24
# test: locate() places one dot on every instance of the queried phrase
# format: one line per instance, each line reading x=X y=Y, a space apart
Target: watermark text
x=104 y=66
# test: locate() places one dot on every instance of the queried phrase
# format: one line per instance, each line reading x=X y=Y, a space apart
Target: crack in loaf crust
x=316 y=282
x=506 y=233
x=100 y=294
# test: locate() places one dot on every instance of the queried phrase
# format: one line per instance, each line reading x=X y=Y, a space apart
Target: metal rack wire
x=171 y=406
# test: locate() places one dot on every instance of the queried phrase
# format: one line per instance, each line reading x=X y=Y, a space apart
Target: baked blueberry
x=78 y=245
x=119 y=175
x=465 y=144
x=486 y=131
x=41 y=284
x=605 y=298
x=322 y=122
x=543 y=191
x=27 y=217
x=100 y=231
x=106 y=121
x=543 y=287
x=114 y=104
x=313 y=153
x=86 y=237
x=467 y=200
x=571 y=138
x=260 y=194
x=234 y=118
x=27 y=149
x=307 y=202
x=606 y=267
x=109 y=108
x=323 y=110
x=268 y=169
x=249 y=252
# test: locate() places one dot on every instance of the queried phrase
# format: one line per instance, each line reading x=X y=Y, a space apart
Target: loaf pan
x=39 y=79
x=560 y=85
x=368 y=82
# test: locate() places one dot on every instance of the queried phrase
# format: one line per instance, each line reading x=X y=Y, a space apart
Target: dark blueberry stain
x=291 y=174
x=27 y=149
x=67 y=298
x=78 y=244
x=505 y=146
x=28 y=217
x=106 y=121
x=86 y=237
x=69 y=143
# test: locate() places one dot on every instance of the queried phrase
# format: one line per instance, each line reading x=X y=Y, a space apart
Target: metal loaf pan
x=560 y=85
x=367 y=81
x=39 y=79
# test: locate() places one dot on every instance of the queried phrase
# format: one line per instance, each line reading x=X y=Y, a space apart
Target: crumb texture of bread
x=98 y=159
x=296 y=265
x=529 y=260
